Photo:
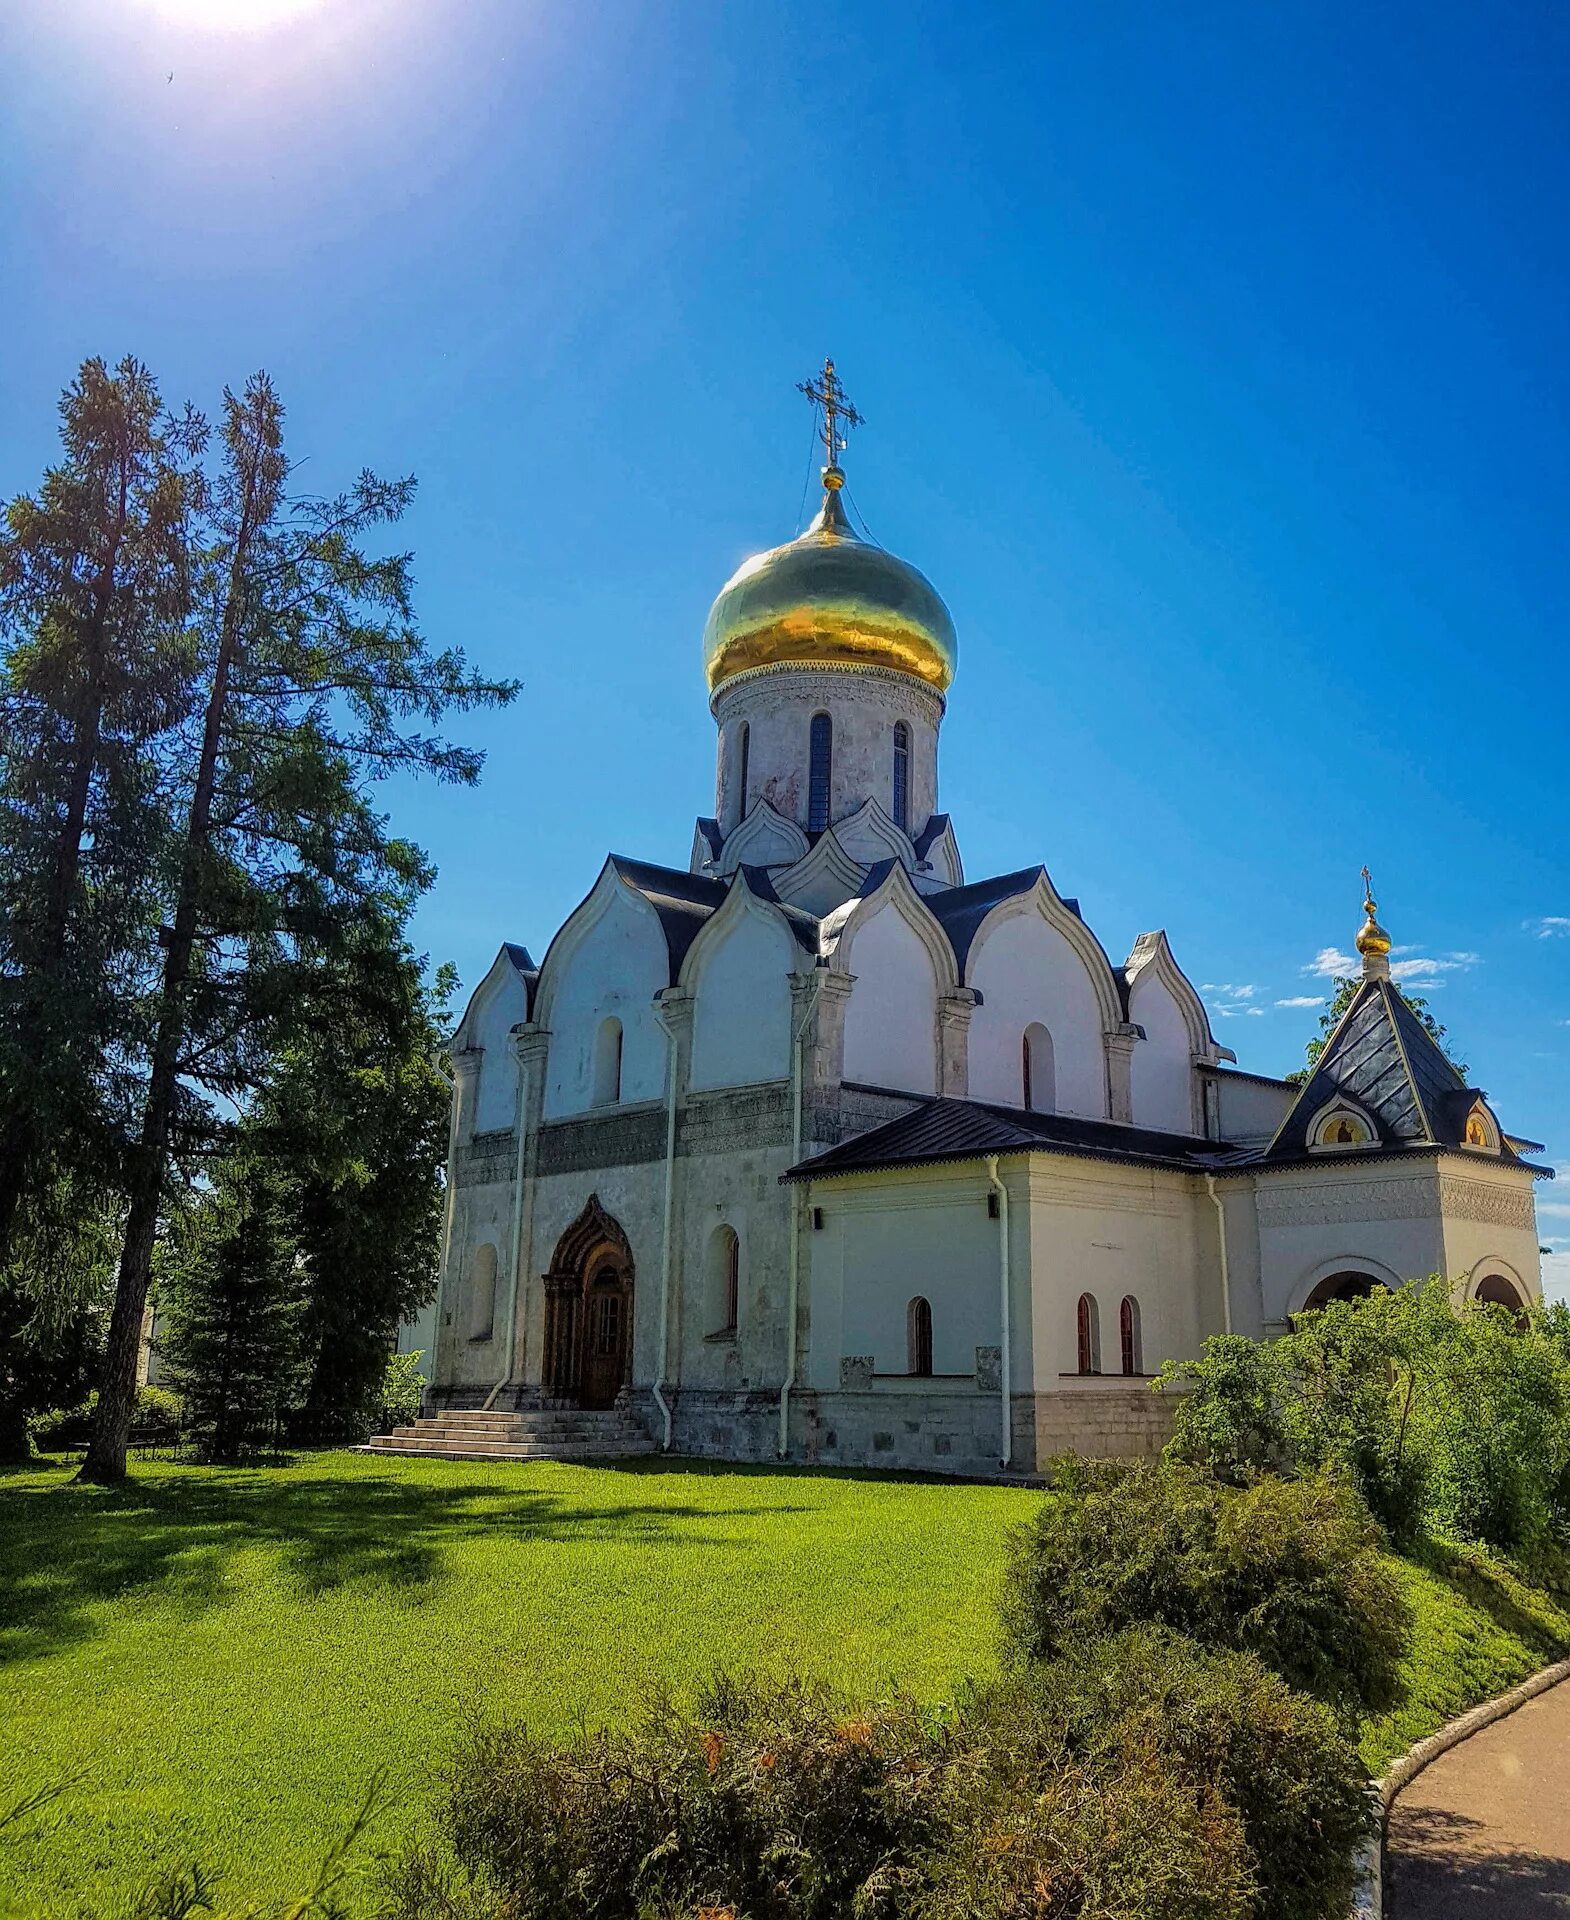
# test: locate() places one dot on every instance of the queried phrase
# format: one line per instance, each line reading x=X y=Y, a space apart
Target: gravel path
x=1485 y=1830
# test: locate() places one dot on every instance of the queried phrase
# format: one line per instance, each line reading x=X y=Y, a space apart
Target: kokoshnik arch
x=816 y=1148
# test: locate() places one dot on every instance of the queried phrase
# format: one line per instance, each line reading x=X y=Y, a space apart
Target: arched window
x=1128 y=1335
x=901 y=774
x=918 y=1337
x=820 y=768
x=743 y=760
x=1089 y=1331
x=1341 y=1286
x=607 y=1062
x=1497 y=1291
x=1038 y=1075
x=482 y=1293
x=722 y=1283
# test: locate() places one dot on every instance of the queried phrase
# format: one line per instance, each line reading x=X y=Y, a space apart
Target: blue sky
x=1217 y=368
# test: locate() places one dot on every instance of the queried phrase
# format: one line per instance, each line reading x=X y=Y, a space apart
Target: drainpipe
x=665 y=1240
x=520 y=1172
x=1004 y=1358
x=1221 y=1234
x=793 y=1281
x=449 y=1213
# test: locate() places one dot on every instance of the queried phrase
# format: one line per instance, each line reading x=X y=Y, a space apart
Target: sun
x=231 y=16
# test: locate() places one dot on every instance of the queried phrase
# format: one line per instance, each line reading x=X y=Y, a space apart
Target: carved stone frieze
x=1346 y=1200
x=1482 y=1200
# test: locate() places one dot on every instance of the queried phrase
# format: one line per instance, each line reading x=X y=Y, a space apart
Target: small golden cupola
x=1373 y=943
x=829 y=598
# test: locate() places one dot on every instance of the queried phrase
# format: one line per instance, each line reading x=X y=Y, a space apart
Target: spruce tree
x=315 y=682
x=234 y=1338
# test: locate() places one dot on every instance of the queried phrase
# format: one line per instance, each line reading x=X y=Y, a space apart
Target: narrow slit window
x=1128 y=1335
x=744 y=767
x=1089 y=1335
x=902 y=775
x=918 y=1337
x=820 y=768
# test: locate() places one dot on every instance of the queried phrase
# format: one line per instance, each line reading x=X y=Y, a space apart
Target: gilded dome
x=829 y=599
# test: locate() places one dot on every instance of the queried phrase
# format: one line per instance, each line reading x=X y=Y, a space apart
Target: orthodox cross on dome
x=829 y=397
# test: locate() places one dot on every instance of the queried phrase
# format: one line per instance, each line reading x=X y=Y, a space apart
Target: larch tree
x=315 y=682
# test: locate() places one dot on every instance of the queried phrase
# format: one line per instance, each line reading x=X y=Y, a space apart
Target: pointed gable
x=1383 y=1060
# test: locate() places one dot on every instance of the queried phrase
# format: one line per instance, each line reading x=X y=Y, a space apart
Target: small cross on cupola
x=828 y=396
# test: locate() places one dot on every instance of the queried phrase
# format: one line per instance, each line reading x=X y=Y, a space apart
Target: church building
x=817 y=1149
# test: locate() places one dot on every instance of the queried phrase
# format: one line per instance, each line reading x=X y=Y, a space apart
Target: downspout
x=449 y=1209
x=519 y=1173
x=792 y=1281
x=1004 y=1367
x=665 y=1233
x=1221 y=1234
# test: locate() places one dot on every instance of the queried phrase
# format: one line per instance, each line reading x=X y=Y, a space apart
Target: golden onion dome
x=829 y=599
x=1371 y=937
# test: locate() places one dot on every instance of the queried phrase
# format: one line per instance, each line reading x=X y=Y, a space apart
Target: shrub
x=1252 y=1800
x=778 y=1802
x=1289 y=1570
x=1445 y=1418
x=69 y=1426
x=402 y=1391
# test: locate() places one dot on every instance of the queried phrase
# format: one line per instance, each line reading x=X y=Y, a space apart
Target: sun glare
x=231 y=16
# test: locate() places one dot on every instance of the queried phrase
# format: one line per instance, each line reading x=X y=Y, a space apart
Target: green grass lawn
x=219 y=1661
x=223 y=1658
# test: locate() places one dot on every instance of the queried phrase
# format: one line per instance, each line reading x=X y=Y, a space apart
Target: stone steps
x=561 y=1434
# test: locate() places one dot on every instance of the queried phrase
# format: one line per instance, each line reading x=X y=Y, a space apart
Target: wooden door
x=604 y=1340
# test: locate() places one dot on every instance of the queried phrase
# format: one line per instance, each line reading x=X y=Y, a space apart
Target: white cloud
x=1556 y=1275
x=1554 y=1209
x=1255 y=1013
x=1317 y=1000
x=1552 y=926
x=1232 y=993
x=1330 y=963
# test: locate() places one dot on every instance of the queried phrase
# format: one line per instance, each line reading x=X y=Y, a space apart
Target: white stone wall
x=1163 y=1083
x=1248 y=1110
x=891 y=1021
x=741 y=1019
x=1490 y=1223
x=613 y=966
x=1025 y=970
x=864 y=704
x=1374 y=1216
x=499 y=1004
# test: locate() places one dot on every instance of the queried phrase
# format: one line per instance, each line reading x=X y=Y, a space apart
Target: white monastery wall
x=1249 y=1111
x=614 y=969
x=1112 y=1231
x=1379 y=1217
x=741 y=1016
x=777 y=705
x=1026 y=971
x=1161 y=1071
x=1490 y=1223
x=498 y=1007
x=891 y=1019
x=926 y=1233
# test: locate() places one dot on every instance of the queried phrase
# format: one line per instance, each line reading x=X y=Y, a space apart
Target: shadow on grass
x=64 y=1549
x=1488 y=1589
x=1443 y=1865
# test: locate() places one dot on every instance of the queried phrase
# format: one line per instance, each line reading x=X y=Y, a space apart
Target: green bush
x=69 y=1426
x=776 y=1802
x=1288 y=1570
x=1446 y=1419
x=1139 y=1776
x=1248 y=1798
x=402 y=1392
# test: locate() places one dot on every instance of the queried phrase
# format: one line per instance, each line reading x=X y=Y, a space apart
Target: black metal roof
x=946 y=1129
x=1385 y=1062
x=685 y=901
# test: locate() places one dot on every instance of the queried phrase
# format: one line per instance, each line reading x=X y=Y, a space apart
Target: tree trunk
x=105 y=1461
